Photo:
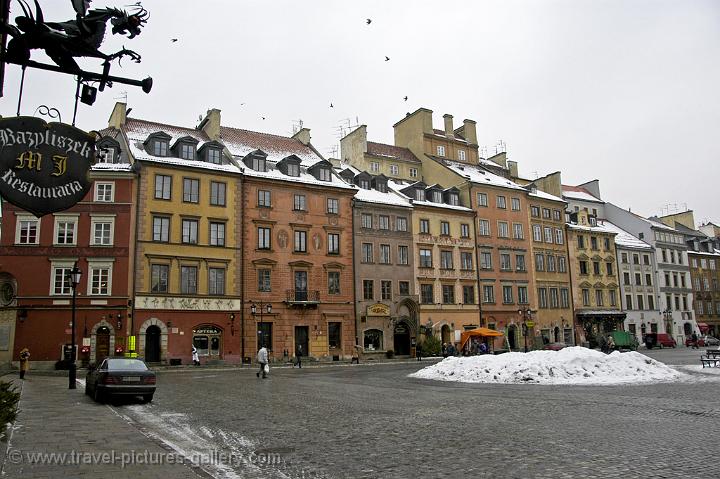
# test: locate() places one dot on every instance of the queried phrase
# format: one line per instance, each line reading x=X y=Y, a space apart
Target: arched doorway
x=557 y=334
x=152 y=344
x=401 y=339
x=687 y=328
x=512 y=337
x=445 y=334
x=102 y=338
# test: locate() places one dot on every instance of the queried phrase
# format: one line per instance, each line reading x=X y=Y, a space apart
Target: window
x=593 y=242
x=368 y=289
x=461 y=155
x=102 y=229
x=264 y=198
x=217 y=233
x=366 y=220
x=500 y=202
x=485 y=260
x=556 y=215
x=190 y=231
x=425 y=226
x=301 y=241
x=559 y=236
x=636 y=259
x=583 y=267
x=626 y=279
x=436 y=196
x=159 y=278
x=646 y=259
x=468 y=294
x=364 y=184
x=445 y=228
x=609 y=268
x=163 y=186
x=539 y=262
x=624 y=258
x=564 y=298
x=385 y=254
x=188 y=279
x=27 y=230
x=403 y=257
x=586 y=297
x=333 y=206
x=581 y=242
x=606 y=243
x=551 y=263
x=523 y=295
x=293 y=169
x=324 y=175
x=596 y=267
x=484 y=226
x=503 y=229
x=394 y=170
x=535 y=212
x=546 y=213
x=404 y=288
x=264 y=280
x=427 y=296
x=104 y=192
x=216 y=281
x=65 y=230
x=214 y=156
x=446 y=260
x=542 y=298
x=367 y=253
x=515 y=204
x=160 y=148
x=562 y=264
x=258 y=163
x=505 y=262
x=448 y=294
x=547 y=231
x=187 y=152
x=161 y=229
x=217 y=193
x=537 y=233
x=466 y=261
x=333 y=241
x=554 y=300
x=628 y=302
x=374 y=166
x=299 y=203
x=464 y=230
x=640 y=301
x=100 y=279
x=191 y=190
x=333 y=282
x=264 y=237
x=440 y=150
x=425 y=258
x=401 y=223
x=599 y=297
x=384 y=222
x=638 y=279
x=507 y=294
x=520 y=262
x=413 y=172
x=386 y=290
x=648 y=280
x=488 y=294
x=518 y=231
x=482 y=199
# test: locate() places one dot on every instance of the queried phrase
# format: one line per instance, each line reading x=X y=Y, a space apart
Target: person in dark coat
x=298 y=356
x=694 y=340
x=24 y=362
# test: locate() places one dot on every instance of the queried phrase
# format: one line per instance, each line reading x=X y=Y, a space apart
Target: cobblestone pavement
x=372 y=421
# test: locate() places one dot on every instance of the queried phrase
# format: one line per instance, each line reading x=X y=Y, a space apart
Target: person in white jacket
x=262 y=359
x=195 y=356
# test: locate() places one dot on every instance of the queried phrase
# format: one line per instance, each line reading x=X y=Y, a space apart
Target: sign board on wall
x=378 y=309
x=44 y=166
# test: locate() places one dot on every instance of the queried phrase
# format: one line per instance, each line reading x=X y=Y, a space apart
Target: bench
x=709 y=362
x=713 y=353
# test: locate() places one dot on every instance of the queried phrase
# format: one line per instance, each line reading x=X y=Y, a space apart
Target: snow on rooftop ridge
x=623 y=238
x=478 y=175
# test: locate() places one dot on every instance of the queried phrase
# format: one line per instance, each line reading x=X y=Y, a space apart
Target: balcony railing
x=297 y=296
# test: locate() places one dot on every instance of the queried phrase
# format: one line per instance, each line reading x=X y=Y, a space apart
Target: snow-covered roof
x=398 y=186
x=391 y=151
x=659 y=225
x=579 y=193
x=625 y=239
x=111 y=167
x=538 y=193
x=481 y=176
x=600 y=228
x=390 y=198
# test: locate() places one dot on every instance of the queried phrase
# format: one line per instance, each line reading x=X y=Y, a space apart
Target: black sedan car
x=120 y=377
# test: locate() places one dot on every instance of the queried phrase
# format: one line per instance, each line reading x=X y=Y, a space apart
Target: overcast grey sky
x=624 y=91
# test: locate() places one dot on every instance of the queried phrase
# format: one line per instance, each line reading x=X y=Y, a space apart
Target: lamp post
x=74 y=277
x=525 y=313
x=254 y=309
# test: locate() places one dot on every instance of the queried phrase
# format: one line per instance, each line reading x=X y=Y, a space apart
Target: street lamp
x=525 y=313
x=74 y=277
x=254 y=309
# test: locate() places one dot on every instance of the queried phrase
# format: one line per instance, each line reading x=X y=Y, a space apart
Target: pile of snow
x=573 y=365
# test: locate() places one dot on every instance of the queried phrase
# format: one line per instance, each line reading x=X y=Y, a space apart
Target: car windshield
x=126 y=365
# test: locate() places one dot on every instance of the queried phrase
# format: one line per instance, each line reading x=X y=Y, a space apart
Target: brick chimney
x=470 y=132
x=448 y=125
x=118 y=116
x=211 y=124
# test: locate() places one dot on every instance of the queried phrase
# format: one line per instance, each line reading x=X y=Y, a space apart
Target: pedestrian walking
x=195 y=356
x=418 y=352
x=610 y=344
x=24 y=362
x=298 y=356
x=694 y=340
x=262 y=359
x=444 y=350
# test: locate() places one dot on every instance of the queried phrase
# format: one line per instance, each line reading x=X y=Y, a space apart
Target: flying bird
x=331 y=105
x=368 y=21
x=405 y=98
x=387 y=58
x=173 y=40
x=262 y=117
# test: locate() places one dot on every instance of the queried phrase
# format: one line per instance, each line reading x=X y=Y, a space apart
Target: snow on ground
x=572 y=365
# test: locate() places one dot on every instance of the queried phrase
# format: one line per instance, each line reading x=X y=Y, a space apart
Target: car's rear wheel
x=98 y=395
x=147 y=397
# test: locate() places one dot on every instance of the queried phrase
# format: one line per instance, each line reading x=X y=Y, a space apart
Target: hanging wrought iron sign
x=44 y=166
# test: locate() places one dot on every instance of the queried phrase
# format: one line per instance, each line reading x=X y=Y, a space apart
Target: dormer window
x=420 y=195
x=453 y=199
x=160 y=148
x=187 y=151
x=324 y=174
x=293 y=169
x=108 y=150
x=381 y=187
x=214 y=156
x=259 y=164
x=364 y=184
x=436 y=197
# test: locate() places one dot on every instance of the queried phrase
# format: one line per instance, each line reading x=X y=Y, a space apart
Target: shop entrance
x=103 y=343
x=152 y=344
x=301 y=339
x=401 y=336
x=512 y=338
x=208 y=341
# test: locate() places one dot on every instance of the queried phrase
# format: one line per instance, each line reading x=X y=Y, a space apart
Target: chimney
x=211 y=124
x=303 y=136
x=448 y=125
x=118 y=116
x=470 y=132
x=513 y=168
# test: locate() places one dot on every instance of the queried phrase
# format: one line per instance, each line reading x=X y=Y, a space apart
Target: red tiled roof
x=381 y=149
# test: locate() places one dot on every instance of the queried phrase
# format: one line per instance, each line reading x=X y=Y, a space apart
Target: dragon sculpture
x=81 y=37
